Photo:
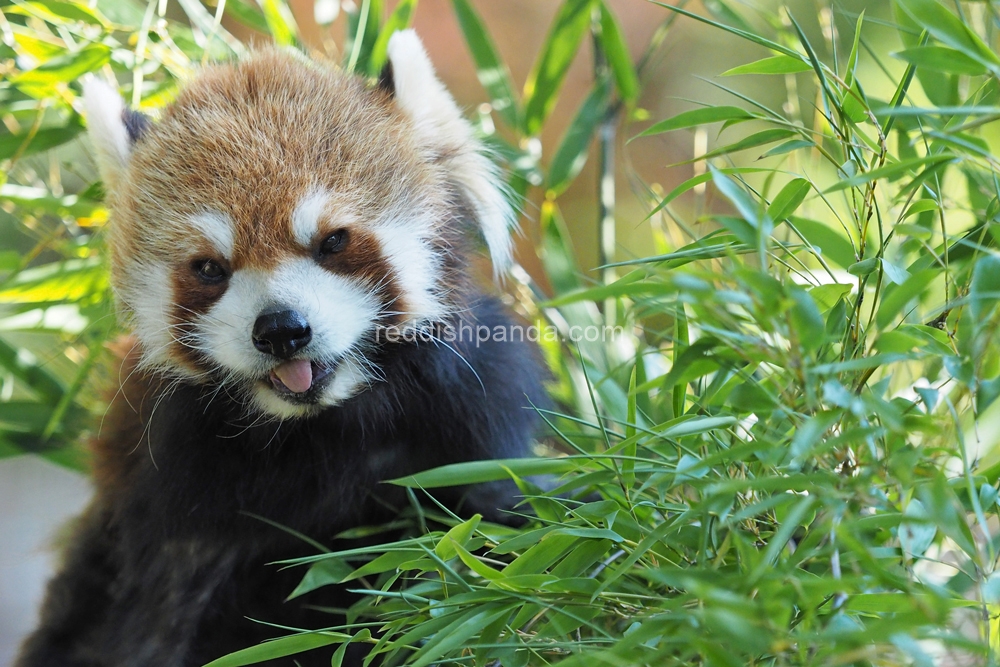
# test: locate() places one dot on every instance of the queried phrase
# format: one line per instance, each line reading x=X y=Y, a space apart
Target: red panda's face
x=280 y=214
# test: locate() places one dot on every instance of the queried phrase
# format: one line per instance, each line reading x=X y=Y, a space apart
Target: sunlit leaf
x=560 y=48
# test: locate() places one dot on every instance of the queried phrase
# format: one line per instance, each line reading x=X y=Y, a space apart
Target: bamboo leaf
x=571 y=155
x=890 y=171
x=698 y=117
x=247 y=13
x=946 y=27
x=492 y=72
x=772 y=65
x=400 y=19
x=279 y=648
x=761 y=138
x=280 y=21
x=560 y=47
x=67 y=67
x=616 y=51
x=475 y=472
x=941 y=59
x=788 y=200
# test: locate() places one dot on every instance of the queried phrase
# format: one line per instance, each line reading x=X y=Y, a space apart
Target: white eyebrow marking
x=305 y=217
x=218 y=229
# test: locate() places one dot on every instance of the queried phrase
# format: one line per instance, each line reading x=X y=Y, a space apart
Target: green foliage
x=790 y=441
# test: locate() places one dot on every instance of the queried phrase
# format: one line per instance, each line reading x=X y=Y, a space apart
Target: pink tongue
x=296 y=375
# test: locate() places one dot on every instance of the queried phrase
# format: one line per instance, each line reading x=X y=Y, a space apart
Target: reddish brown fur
x=131 y=397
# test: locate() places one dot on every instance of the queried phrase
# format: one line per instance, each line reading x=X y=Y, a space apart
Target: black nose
x=281 y=333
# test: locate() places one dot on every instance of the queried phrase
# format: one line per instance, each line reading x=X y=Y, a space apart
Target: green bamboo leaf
x=475 y=472
x=895 y=299
x=772 y=65
x=722 y=11
x=788 y=147
x=829 y=98
x=935 y=18
x=984 y=290
x=698 y=117
x=685 y=427
x=628 y=465
x=25 y=416
x=458 y=536
x=788 y=200
x=65 y=68
x=540 y=555
x=362 y=31
x=572 y=152
x=698 y=180
x=920 y=206
x=810 y=433
x=864 y=267
x=60 y=12
x=761 y=138
x=492 y=72
x=558 y=52
x=855 y=105
x=619 y=288
x=387 y=562
x=739 y=32
x=200 y=17
x=458 y=632
x=247 y=13
x=323 y=573
x=893 y=273
x=337 y=660
x=807 y=320
x=476 y=565
x=616 y=51
x=941 y=59
x=693 y=252
x=43 y=140
x=917 y=112
x=890 y=171
x=56 y=282
x=40 y=199
x=748 y=208
x=280 y=21
x=852 y=60
x=649 y=541
x=279 y=648
x=944 y=510
x=24 y=366
x=894 y=603
x=557 y=253
x=831 y=244
x=862 y=364
x=400 y=19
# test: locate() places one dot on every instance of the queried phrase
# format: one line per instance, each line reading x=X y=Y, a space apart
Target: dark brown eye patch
x=333 y=243
x=209 y=271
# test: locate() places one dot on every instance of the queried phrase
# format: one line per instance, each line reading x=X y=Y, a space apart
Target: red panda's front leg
x=122 y=601
x=76 y=601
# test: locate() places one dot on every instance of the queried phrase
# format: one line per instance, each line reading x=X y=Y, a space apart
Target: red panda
x=267 y=234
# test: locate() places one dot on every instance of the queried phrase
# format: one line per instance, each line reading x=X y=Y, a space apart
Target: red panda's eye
x=333 y=243
x=210 y=271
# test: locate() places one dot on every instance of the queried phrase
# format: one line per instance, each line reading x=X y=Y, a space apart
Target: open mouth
x=297 y=378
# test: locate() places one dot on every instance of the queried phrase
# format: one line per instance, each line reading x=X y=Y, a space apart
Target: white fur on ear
x=106 y=125
x=439 y=124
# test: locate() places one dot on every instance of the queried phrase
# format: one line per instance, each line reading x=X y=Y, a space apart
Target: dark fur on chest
x=169 y=561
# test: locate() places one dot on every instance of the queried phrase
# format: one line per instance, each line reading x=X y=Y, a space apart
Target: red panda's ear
x=439 y=126
x=113 y=128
